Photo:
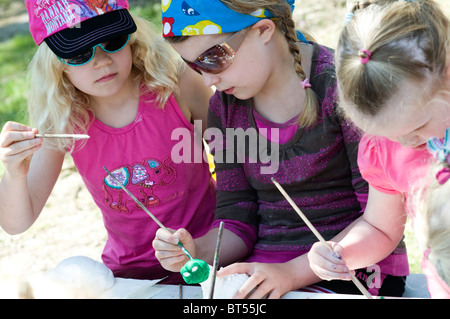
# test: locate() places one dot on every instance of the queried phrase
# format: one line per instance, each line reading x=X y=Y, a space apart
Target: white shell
x=225 y=287
x=82 y=273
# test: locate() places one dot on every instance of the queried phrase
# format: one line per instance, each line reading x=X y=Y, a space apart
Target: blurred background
x=71 y=223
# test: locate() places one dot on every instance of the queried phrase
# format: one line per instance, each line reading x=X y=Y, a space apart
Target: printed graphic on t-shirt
x=141 y=179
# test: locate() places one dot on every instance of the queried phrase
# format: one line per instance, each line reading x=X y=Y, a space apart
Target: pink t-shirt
x=393 y=169
x=286 y=131
x=139 y=154
x=389 y=167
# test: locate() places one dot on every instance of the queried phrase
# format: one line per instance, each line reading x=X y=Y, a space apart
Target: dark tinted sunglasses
x=110 y=46
x=219 y=57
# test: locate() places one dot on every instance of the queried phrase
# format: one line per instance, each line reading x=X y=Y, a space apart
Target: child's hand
x=17 y=145
x=168 y=252
x=271 y=280
x=326 y=264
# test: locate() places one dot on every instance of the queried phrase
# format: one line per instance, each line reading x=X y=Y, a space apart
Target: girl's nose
x=210 y=79
x=101 y=58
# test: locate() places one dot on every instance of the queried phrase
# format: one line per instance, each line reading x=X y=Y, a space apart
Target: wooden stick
x=136 y=200
x=318 y=235
x=74 y=136
x=216 y=260
x=146 y=210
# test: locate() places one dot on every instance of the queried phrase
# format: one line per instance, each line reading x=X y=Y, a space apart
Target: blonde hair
x=284 y=22
x=431 y=203
x=56 y=106
x=408 y=41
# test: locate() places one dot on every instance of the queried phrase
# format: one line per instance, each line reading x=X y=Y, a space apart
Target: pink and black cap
x=70 y=27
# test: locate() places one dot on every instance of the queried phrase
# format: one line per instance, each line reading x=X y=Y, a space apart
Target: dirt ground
x=71 y=224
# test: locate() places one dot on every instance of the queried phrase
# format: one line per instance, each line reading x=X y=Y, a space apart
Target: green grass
x=15 y=55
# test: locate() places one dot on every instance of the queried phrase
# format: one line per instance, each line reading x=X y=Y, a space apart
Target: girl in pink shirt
x=114 y=78
x=393 y=69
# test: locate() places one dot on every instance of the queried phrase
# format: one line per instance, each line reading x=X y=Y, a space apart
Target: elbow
x=13 y=229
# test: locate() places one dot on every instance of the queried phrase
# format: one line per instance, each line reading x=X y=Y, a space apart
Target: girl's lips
x=106 y=78
x=229 y=91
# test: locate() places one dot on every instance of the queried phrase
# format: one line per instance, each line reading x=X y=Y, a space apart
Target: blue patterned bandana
x=195 y=17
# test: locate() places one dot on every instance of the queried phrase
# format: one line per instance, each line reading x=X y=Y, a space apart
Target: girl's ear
x=265 y=29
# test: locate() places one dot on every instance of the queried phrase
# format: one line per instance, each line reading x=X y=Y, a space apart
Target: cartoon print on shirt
x=140 y=179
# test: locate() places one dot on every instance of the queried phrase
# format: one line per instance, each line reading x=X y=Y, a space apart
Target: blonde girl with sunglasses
x=112 y=77
x=272 y=81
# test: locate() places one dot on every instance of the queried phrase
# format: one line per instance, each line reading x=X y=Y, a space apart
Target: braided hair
x=284 y=22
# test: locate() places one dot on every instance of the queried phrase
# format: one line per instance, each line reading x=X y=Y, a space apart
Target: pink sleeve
x=372 y=165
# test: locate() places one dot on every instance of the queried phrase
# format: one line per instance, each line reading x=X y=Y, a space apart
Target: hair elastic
x=443 y=175
x=441 y=149
x=305 y=83
x=364 y=56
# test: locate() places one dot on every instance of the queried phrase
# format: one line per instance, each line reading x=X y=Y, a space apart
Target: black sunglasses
x=110 y=46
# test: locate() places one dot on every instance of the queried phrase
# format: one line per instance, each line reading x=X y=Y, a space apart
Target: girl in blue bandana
x=271 y=81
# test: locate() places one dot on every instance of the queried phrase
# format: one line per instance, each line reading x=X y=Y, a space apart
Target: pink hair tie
x=443 y=175
x=305 y=83
x=364 y=56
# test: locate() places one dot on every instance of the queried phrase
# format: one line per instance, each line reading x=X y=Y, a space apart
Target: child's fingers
x=8 y=138
x=236 y=268
x=330 y=271
x=326 y=264
x=14 y=126
x=10 y=156
x=21 y=146
x=324 y=252
x=165 y=240
x=251 y=287
x=167 y=251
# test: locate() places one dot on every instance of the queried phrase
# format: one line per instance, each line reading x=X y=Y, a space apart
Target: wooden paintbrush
x=319 y=236
x=216 y=261
x=137 y=201
x=74 y=136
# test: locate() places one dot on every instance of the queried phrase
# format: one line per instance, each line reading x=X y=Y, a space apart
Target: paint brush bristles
x=318 y=235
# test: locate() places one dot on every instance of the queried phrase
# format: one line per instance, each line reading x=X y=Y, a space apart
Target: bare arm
x=369 y=239
x=31 y=172
x=194 y=96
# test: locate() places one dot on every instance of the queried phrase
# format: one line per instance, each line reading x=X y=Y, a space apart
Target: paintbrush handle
x=216 y=260
x=74 y=136
x=318 y=235
x=146 y=210
x=136 y=200
x=300 y=213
